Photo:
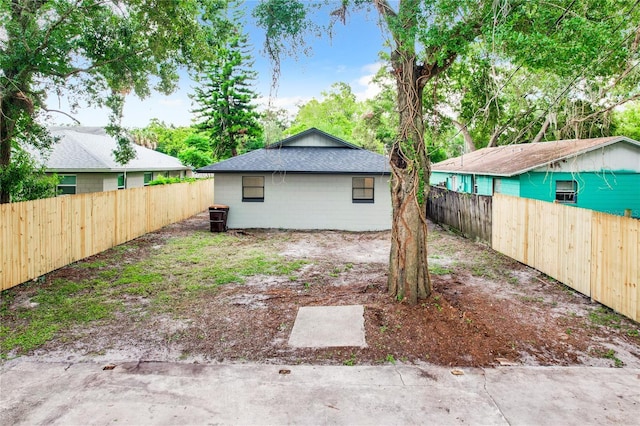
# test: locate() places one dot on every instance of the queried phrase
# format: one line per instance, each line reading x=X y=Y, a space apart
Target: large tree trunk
x=410 y=170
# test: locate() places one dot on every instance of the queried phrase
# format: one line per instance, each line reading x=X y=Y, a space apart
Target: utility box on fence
x=218 y=217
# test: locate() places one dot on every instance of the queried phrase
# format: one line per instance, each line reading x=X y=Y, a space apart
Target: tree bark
x=410 y=169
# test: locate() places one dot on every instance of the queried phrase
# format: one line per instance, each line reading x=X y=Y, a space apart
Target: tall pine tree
x=225 y=99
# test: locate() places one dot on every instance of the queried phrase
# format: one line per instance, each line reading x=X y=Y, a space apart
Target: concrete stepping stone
x=328 y=326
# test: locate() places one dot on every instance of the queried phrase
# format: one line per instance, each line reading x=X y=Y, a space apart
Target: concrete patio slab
x=328 y=326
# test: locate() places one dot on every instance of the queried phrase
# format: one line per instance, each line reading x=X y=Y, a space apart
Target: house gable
x=312 y=138
x=619 y=157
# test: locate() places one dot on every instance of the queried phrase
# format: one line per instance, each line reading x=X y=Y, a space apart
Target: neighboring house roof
x=90 y=149
x=512 y=160
x=337 y=157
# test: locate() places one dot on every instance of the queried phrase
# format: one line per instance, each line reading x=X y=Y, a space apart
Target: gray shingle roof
x=90 y=149
x=279 y=157
x=512 y=160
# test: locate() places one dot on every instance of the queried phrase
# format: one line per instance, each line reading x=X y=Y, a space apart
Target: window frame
x=246 y=199
x=566 y=196
x=124 y=181
x=67 y=185
x=364 y=188
x=144 y=178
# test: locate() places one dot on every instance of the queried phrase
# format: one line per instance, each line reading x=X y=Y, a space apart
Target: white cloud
x=365 y=88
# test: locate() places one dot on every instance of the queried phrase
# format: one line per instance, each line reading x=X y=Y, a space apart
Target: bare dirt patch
x=485 y=310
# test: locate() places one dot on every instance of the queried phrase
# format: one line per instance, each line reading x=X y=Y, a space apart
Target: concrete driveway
x=173 y=393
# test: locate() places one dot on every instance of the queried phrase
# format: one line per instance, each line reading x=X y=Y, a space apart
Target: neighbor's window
x=566 y=191
x=67 y=185
x=122 y=182
x=148 y=177
x=253 y=188
x=362 y=190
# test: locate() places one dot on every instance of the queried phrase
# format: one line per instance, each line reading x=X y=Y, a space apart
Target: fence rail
x=40 y=236
x=595 y=253
x=468 y=213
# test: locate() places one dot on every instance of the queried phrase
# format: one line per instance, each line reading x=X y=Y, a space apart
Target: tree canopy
x=94 y=51
x=225 y=110
x=589 y=45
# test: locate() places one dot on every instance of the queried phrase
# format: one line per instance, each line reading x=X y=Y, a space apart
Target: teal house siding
x=463 y=183
x=608 y=192
x=485 y=185
x=508 y=185
x=437 y=178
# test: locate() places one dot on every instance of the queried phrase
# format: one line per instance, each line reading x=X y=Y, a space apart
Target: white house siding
x=88 y=182
x=620 y=156
x=305 y=201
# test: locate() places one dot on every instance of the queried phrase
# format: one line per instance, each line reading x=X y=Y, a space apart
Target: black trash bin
x=218 y=217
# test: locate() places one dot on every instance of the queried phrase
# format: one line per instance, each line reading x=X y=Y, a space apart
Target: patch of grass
x=605 y=317
x=532 y=299
x=59 y=306
x=137 y=274
x=351 y=361
x=439 y=270
x=390 y=358
x=611 y=354
x=26 y=338
x=601 y=352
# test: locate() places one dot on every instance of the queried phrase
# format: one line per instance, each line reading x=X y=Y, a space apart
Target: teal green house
x=601 y=174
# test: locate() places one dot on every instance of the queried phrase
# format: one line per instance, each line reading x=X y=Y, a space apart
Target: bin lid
x=219 y=206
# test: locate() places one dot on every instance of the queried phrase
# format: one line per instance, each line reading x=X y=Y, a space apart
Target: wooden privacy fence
x=595 y=253
x=468 y=213
x=40 y=236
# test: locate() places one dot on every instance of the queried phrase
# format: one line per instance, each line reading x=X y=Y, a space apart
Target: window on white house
x=474 y=184
x=253 y=188
x=566 y=191
x=148 y=177
x=67 y=185
x=362 y=190
x=122 y=181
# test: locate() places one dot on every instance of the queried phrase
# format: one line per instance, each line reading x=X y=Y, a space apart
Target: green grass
x=60 y=305
x=439 y=270
x=605 y=317
x=172 y=278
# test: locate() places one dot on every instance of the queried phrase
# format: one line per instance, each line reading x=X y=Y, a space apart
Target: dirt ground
x=486 y=310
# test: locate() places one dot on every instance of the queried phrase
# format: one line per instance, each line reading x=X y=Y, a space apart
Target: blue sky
x=351 y=56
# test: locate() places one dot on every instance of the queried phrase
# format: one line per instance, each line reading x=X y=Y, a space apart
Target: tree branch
x=575 y=120
x=63 y=113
